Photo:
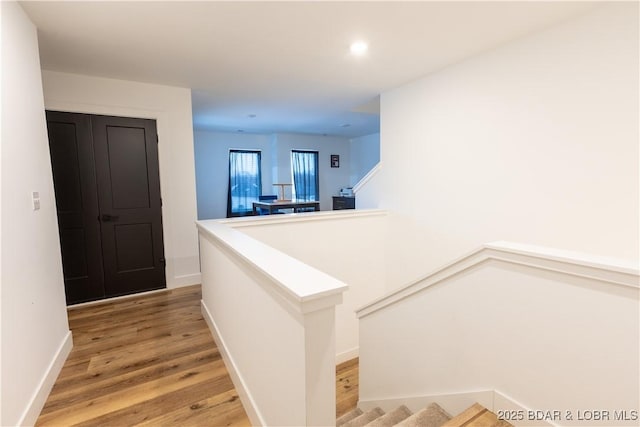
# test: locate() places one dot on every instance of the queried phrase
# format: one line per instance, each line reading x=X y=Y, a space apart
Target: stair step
x=348 y=416
x=432 y=416
x=364 y=419
x=476 y=416
x=391 y=418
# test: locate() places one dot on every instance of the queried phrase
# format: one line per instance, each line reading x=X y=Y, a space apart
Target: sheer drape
x=304 y=166
x=245 y=182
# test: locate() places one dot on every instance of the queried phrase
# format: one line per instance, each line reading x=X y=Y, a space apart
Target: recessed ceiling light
x=358 y=48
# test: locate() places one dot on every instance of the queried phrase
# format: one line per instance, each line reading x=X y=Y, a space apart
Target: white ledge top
x=249 y=221
x=296 y=281
x=588 y=260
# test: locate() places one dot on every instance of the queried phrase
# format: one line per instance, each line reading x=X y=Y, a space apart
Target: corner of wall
x=39 y=398
x=35 y=332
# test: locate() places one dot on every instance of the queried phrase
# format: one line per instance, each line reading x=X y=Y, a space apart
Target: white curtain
x=304 y=166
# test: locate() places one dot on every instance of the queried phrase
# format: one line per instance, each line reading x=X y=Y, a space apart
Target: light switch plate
x=35 y=200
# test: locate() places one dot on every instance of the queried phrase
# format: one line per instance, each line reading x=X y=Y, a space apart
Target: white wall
x=35 y=332
x=212 y=167
x=171 y=108
x=364 y=154
x=347 y=245
x=534 y=142
x=545 y=331
x=367 y=191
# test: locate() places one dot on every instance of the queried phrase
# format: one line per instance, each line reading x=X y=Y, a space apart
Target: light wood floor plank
x=114 y=401
x=89 y=389
x=346 y=386
x=143 y=358
x=201 y=413
x=165 y=404
x=150 y=360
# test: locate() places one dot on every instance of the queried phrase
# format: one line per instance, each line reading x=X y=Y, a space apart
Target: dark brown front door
x=77 y=205
x=120 y=206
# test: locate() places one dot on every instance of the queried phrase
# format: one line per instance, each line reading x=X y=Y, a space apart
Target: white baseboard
x=185 y=280
x=347 y=355
x=502 y=402
x=112 y=299
x=39 y=398
x=245 y=396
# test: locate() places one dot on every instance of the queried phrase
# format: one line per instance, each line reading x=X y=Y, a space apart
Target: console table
x=274 y=205
x=343 y=202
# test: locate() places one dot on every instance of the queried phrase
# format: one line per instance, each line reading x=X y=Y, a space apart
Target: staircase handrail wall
x=346 y=244
x=273 y=319
x=608 y=270
x=373 y=172
x=538 y=329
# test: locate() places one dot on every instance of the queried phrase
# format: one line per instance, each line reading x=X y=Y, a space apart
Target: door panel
x=72 y=160
x=126 y=159
x=128 y=165
x=135 y=247
x=75 y=265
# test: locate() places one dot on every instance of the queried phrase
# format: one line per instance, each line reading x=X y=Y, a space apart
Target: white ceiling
x=285 y=62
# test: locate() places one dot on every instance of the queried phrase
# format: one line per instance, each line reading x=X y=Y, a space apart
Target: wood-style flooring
x=151 y=360
x=346 y=386
x=147 y=360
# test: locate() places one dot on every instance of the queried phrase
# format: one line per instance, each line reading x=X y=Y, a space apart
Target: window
x=304 y=167
x=245 y=182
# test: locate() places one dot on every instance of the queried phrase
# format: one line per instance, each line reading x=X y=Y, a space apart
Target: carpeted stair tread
x=365 y=418
x=432 y=416
x=348 y=417
x=392 y=418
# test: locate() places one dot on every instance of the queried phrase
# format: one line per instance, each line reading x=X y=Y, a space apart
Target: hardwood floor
x=147 y=360
x=151 y=360
x=346 y=386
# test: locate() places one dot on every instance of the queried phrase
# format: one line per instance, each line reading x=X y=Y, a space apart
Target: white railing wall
x=367 y=190
x=273 y=318
x=519 y=327
x=348 y=245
